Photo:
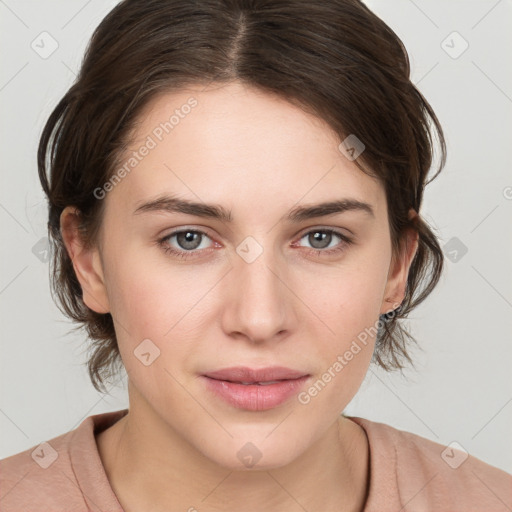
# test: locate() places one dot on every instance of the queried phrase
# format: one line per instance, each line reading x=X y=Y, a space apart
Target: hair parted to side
x=332 y=58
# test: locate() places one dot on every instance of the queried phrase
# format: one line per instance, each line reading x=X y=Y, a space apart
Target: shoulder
x=431 y=476
x=36 y=479
x=64 y=473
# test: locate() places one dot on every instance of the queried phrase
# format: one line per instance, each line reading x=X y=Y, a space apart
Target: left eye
x=321 y=238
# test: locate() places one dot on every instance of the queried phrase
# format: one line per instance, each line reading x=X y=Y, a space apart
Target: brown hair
x=332 y=58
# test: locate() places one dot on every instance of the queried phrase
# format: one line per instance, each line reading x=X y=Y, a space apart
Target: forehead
x=237 y=143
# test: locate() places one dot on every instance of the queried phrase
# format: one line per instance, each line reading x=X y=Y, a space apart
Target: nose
x=260 y=305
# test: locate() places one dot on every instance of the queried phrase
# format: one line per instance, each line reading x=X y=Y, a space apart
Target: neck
x=150 y=467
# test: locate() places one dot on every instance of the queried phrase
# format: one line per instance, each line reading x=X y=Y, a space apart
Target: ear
x=396 y=285
x=86 y=262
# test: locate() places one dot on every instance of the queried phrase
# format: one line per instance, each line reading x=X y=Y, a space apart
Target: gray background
x=462 y=391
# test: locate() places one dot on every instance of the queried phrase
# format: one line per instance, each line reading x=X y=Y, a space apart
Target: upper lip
x=245 y=374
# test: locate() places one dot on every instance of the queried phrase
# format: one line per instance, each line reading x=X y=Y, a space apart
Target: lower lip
x=255 y=397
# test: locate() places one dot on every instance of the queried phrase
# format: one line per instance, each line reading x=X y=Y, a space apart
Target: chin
x=242 y=454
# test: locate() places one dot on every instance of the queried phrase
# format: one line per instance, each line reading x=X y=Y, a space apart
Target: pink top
x=407 y=473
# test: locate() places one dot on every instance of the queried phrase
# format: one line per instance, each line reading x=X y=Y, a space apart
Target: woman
x=234 y=196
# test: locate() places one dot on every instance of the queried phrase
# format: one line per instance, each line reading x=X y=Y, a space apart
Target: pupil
x=186 y=239
x=321 y=237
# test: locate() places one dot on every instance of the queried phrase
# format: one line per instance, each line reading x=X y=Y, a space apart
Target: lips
x=255 y=389
x=261 y=376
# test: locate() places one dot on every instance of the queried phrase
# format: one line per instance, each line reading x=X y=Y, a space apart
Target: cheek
x=348 y=303
x=159 y=302
x=148 y=293
x=349 y=298
x=152 y=312
x=345 y=356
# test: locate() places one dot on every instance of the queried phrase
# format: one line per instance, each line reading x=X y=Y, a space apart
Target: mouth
x=243 y=374
x=255 y=389
x=267 y=383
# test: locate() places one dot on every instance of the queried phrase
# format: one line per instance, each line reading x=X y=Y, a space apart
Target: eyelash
x=345 y=242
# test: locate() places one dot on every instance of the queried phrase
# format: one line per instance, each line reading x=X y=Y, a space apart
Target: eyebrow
x=168 y=204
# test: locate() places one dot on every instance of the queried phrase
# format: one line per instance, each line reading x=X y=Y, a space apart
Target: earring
x=394 y=312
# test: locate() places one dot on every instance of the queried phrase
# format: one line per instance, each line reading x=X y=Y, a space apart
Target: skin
x=258 y=156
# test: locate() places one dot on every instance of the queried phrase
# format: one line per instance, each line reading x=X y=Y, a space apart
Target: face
x=271 y=283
